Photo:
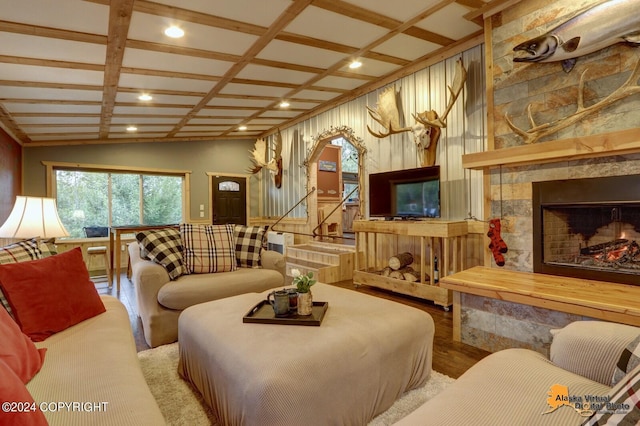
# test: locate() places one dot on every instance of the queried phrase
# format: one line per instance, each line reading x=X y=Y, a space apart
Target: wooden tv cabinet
x=378 y=240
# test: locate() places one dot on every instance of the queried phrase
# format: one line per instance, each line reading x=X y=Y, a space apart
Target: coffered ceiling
x=71 y=71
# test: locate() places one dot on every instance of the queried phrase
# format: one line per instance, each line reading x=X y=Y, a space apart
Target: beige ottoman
x=366 y=353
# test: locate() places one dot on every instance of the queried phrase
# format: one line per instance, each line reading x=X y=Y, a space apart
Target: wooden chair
x=99 y=251
x=332 y=227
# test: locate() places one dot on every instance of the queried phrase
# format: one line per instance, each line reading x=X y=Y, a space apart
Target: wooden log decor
x=400 y=260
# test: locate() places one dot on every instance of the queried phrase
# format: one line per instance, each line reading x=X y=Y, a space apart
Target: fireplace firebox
x=588 y=228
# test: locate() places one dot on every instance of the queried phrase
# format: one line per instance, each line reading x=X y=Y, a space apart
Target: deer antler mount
x=259 y=155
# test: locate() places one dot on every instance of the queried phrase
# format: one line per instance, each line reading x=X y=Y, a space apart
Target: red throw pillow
x=17 y=350
x=18 y=408
x=50 y=294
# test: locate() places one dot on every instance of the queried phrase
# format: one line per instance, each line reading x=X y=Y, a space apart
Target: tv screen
x=405 y=193
x=419 y=199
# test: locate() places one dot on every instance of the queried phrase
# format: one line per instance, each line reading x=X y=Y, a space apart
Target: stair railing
x=314 y=234
x=339 y=205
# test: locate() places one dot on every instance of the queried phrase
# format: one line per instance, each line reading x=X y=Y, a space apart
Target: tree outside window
x=87 y=198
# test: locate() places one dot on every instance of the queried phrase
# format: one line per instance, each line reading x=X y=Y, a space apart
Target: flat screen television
x=410 y=193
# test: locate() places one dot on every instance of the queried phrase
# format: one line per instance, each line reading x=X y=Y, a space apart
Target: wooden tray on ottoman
x=263 y=313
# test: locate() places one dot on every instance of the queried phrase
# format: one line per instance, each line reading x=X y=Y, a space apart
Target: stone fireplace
x=588 y=228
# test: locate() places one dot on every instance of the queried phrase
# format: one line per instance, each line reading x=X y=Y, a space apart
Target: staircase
x=329 y=262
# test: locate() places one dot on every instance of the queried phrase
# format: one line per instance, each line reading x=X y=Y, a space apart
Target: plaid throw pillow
x=22 y=251
x=629 y=359
x=208 y=248
x=623 y=408
x=48 y=248
x=163 y=246
x=248 y=241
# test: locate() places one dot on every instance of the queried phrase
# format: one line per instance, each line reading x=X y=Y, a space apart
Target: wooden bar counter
x=596 y=299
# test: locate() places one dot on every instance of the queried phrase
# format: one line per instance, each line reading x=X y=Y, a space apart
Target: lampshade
x=33 y=217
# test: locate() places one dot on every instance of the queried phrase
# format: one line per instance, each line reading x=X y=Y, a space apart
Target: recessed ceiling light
x=174 y=32
x=132 y=129
x=355 y=64
x=284 y=104
x=145 y=97
x=242 y=128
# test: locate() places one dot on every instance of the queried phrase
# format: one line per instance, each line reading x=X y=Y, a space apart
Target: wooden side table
x=115 y=242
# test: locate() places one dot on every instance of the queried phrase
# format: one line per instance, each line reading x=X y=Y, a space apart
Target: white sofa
x=511 y=387
x=161 y=300
x=94 y=364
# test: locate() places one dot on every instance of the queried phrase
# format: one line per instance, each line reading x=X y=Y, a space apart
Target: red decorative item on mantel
x=497 y=245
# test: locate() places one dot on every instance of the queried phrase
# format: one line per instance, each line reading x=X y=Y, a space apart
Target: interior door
x=229 y=200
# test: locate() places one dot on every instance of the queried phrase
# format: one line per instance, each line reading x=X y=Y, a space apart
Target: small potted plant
x=303 y=285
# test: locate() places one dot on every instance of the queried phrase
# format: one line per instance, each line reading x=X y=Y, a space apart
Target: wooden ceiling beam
x=296 y=7
x=19 y=60
x=120 y=12
x=9 y=123
x=38 y=31
x=255 y=30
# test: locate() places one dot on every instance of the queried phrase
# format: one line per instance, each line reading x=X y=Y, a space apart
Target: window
x=104 y=198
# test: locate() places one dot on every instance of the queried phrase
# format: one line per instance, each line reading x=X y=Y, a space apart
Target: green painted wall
x=199 y=157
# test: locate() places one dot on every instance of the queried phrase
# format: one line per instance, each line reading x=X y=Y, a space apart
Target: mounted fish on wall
x=592 y=29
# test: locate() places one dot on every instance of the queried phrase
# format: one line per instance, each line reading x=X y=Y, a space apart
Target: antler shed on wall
x=539 y=131
x=427 y=130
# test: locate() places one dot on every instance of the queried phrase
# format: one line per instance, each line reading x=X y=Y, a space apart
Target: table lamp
x=33 y=217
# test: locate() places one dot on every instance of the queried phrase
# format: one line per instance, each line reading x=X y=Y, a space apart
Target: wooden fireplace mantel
x=596 y=299
x=603 y=145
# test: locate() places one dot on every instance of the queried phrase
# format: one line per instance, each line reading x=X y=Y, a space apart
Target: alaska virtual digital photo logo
x=558 y=396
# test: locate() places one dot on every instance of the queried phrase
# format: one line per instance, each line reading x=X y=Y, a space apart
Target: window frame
x=53 y=166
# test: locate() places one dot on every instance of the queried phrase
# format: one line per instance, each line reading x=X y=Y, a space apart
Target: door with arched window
x=229 y=203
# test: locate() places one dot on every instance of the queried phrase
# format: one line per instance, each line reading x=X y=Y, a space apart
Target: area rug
x=181 y=403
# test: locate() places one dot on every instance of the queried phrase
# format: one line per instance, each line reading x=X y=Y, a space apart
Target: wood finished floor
x=449 y=357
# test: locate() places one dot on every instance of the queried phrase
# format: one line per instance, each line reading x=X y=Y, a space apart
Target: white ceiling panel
x=260 y=72
x=232 y=102
x=399 y=10
x=447 y=22
x=406 y=47
x=227 y=112
x=27 y=46
x=339 y=82
x=145 y=59
x=371 y=67
x=158 y=99
x=145 y=120
x=251 y=11
x=314 y=94
x=149 y=110
x=64 y=137
x=151 y=82
x=193 y=134
x=78 y=129
x=19 y=72
x=44 y=109
x=303 y=55
x=252 y=90
x=81 y=16
x=151 y=27
x=278 y=114
x=325 y=25
x=58 y=120
x=128 y=135
x=266 y=120
x=142 y=127
x=49 y=94
x=228 y=121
